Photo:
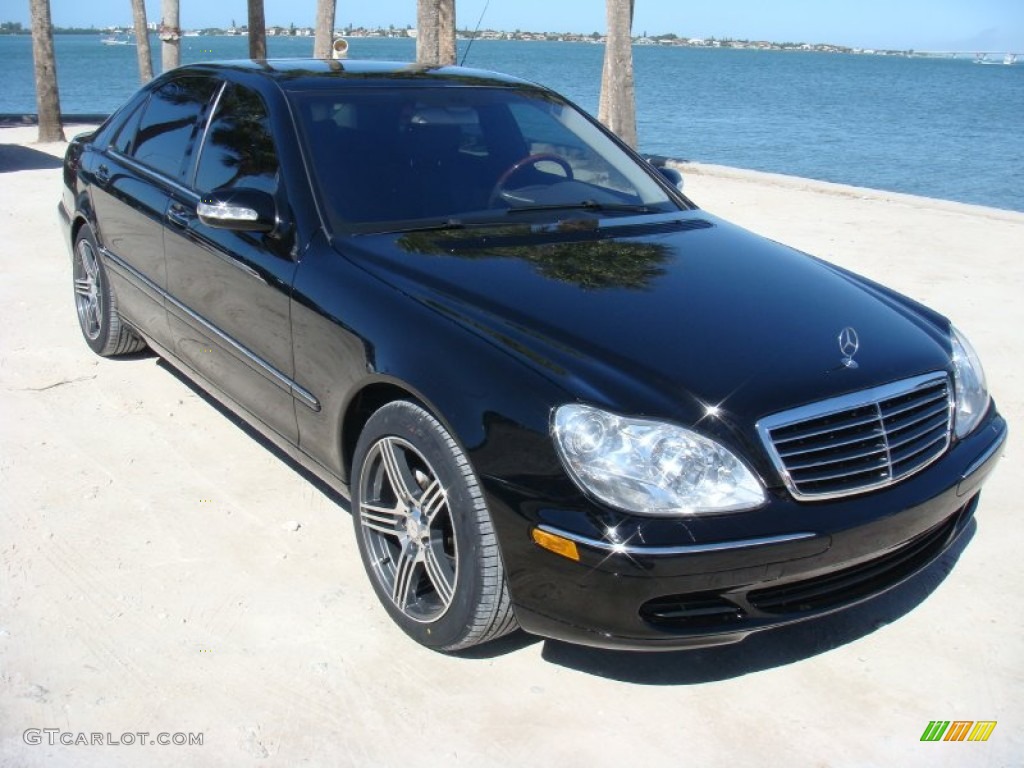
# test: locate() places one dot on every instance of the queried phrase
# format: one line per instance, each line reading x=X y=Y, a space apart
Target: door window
x=239 y=149
x=164 y=138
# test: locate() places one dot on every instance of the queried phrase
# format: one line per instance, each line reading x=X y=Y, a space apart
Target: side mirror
x=674 y=177
x=242 y=210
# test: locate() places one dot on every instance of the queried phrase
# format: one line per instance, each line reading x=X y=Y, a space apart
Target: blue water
x=937 y=127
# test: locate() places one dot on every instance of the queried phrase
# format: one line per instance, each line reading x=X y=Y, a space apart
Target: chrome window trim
x=153 y=175
x=286 y=383
x=864 y=397
x=622 y=548
x=207 y=120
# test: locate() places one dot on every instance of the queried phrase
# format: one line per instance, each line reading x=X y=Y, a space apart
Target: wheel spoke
x=93 y=312
x=89 y=261
x=382 y=519
x=397 y=468
x=439 y=573
x=83 y=286
x=433 y=500
x=405 y=568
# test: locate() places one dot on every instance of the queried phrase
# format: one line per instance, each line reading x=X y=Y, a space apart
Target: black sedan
x=558 y=394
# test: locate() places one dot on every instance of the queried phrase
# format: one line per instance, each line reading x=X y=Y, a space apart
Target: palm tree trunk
x=618 y=95
x=142 y=40
x=324 y=39
x=257 y=30
x=47 y=95
x=428 y=32
x=170 y=36
x=446 y=42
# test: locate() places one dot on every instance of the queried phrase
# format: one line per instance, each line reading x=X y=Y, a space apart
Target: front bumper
x=669 y=584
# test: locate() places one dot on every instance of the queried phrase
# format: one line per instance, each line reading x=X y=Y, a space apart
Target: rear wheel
x=424 y=532
x=104 y=331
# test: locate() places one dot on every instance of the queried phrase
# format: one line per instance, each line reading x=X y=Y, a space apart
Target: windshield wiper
x=584 y=205
x=427 y=226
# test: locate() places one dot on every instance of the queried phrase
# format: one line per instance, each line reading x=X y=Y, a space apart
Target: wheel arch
x=76 y=226
x=83 y=214
x=374 y=395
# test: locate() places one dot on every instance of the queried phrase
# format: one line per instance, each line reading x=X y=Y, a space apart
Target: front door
x=228 y=305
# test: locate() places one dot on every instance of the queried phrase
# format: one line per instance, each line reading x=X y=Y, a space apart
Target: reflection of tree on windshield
x=591 y=264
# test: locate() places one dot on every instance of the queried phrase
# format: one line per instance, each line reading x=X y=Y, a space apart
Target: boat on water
x=118 y=38
x=1008 y=59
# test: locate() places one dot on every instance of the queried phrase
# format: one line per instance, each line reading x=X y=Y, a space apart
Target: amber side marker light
x=556 y=544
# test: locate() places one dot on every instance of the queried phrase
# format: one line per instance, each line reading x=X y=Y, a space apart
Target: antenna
x=478 y=23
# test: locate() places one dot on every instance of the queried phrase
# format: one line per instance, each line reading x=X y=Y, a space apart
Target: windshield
x=403 y=158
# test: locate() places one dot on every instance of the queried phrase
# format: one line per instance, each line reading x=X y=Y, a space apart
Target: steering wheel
x=525 y=162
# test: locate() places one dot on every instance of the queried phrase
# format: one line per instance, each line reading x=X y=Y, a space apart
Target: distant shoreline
x=465 y=35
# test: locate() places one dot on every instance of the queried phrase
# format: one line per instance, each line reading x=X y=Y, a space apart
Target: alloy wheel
x=88 y=295
x=406 y=524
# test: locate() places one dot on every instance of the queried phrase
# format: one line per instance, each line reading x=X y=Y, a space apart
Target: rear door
x=131 y=187
x=229 y=291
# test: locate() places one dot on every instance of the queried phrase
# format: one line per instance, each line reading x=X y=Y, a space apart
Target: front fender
x=353 y=332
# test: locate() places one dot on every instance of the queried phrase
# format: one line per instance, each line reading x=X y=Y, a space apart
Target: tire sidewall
x=410 y=422
x=102 y=340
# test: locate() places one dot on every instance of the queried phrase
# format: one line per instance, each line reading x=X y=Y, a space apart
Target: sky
x=895 y=24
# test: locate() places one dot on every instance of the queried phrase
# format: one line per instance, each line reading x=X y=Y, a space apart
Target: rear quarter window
x=124 y=134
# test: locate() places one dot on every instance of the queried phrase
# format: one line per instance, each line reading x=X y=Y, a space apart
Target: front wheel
x=424 y=533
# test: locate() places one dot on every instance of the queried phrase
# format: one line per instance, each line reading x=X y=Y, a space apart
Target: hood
x=663 y=315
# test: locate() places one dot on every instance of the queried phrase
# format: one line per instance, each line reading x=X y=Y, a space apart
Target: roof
x=300 y=74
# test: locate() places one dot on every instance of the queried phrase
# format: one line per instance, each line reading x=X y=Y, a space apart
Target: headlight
x=969 y=382
x=651 y=468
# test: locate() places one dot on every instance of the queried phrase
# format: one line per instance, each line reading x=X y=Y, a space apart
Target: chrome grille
x=862 y=441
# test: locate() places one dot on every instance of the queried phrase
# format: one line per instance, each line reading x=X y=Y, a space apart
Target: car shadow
x=14 y=157
x=762 y=650
x=143 y=354
x=230 y=415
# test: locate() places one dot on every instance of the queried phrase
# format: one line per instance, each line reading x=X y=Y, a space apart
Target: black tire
x=96 y=305
x=428 y=547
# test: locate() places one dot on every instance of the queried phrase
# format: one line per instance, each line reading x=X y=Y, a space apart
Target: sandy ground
x=152 y=580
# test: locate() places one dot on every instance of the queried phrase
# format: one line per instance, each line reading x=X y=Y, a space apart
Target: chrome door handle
x=180 y=215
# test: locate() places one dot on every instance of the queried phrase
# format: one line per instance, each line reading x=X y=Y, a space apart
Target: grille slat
x=862 y=441
x=916 y=435
x=838 y=458
x=876 y=435
x=910 y=419
x=918 y=450
x=868 y=420
x=881 y=462
x=875 y=439
x=889 y=414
